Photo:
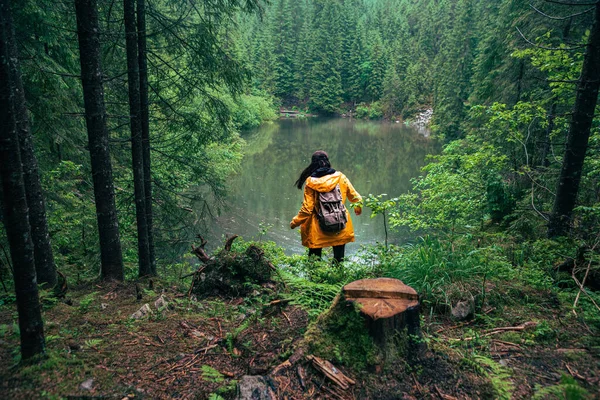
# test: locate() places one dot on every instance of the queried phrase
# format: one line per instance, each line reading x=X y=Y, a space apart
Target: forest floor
x=201 y=349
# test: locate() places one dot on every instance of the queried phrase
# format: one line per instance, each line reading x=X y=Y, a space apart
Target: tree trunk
x=44 y=259
x=145 y=121
x=133 y=74
x=95 y=117
x=31 y=326
x=391 y=310
x=579 y=133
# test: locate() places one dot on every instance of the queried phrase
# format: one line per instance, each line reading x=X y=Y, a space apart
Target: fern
x=498 y=375
x=313 y=297
x=567 y=389
x=92 y=343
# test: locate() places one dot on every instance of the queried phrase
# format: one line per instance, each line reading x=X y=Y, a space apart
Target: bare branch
x=535 y=209
x=561 y=18
x=548 y=48
x=571 y=3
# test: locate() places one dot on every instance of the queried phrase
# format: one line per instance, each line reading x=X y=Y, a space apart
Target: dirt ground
x=201 y=349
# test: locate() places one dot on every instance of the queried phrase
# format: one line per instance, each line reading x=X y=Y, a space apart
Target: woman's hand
x=358 y=210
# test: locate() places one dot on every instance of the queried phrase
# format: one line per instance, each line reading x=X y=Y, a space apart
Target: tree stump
x=391 y=310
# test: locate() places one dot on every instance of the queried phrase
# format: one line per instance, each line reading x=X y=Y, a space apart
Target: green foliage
x=444 y=272
x=249 y=111
x=341 y=335
x=86 y=301
x=370 y=111
x=567 y=389
x=498 y=375
x=379 y=206
x=210 y=374
x=313 y=297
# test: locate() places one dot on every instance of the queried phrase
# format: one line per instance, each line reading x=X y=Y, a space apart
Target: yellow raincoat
x=312 y=235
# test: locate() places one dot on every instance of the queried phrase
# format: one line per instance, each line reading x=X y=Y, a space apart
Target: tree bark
x=579 y=134
x=95 y=117
x=145 y=124
x=42 y=248
x=133 y=77
x=31 y=326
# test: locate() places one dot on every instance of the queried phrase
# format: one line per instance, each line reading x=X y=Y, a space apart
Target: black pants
x=338 y=252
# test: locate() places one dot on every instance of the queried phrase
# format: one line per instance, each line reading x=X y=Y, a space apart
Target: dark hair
x=318 y=160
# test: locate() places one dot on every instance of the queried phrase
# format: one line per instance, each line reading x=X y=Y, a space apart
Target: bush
x=369 y=111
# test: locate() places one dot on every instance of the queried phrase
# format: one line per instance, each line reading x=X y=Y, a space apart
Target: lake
x=377 y=157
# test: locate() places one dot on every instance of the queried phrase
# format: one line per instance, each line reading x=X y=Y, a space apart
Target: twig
x=587 y=271
x=331 y=372
x=548 y=48
x=495 y=331
x=442 y=395
x=533 y=205
x=571 y=3
x=561 y=18
x=286 y=317
x=507 y=343
x=575 y=374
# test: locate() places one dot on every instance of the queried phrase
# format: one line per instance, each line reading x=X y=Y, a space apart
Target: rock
x=253 y=387
x=87 y=384
x=161 y=303
x=462 y=310
x=142 y=312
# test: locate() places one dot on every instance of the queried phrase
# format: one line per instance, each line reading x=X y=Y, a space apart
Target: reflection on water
x=377 y=157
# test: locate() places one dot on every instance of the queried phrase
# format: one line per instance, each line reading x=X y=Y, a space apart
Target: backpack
x=331 y=211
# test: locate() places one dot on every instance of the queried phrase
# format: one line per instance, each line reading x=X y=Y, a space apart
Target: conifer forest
x=151 y=153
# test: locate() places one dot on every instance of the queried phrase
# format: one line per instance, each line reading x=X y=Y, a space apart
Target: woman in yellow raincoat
x=320 y=177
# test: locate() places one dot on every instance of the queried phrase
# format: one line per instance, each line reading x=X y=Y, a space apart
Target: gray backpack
x=331 y=211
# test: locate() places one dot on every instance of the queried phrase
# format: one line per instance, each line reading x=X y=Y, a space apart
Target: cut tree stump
x=391 y=310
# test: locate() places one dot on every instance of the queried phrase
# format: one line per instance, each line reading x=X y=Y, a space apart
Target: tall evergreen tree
x=95 y=116
x=378 y=66
x=16 y=216
x=44 y=258
x=326 y=82
x=137 y=151
x=579 y=134
x=145 y=125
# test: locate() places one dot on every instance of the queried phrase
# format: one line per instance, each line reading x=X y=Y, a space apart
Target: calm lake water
x=377 y=157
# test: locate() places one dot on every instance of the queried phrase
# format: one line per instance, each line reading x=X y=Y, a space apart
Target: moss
x=341 y=334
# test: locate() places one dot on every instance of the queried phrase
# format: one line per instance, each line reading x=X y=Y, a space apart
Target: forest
x=148 y=153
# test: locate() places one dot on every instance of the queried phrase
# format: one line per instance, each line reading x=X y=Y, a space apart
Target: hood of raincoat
x=324 y=183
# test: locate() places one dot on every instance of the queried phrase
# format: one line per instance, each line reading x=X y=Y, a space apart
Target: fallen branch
x=442 y=395
x=294 y=358
x=331 y=372
x=576 y=374
x=495 y=331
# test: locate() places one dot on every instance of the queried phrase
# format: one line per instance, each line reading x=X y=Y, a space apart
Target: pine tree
x=377 y=61
x=95 y=113
x=326 y=82
x=16 y=215
x=133 y=83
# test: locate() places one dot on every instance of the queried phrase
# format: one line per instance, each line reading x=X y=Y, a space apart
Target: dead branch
x=294 y=358
x=571 y=3
x=560 y=18
x=495 y=331
x=548 y=48
x=587 y=271
x=442 y=395
x=229 y=242
x=331 y=372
